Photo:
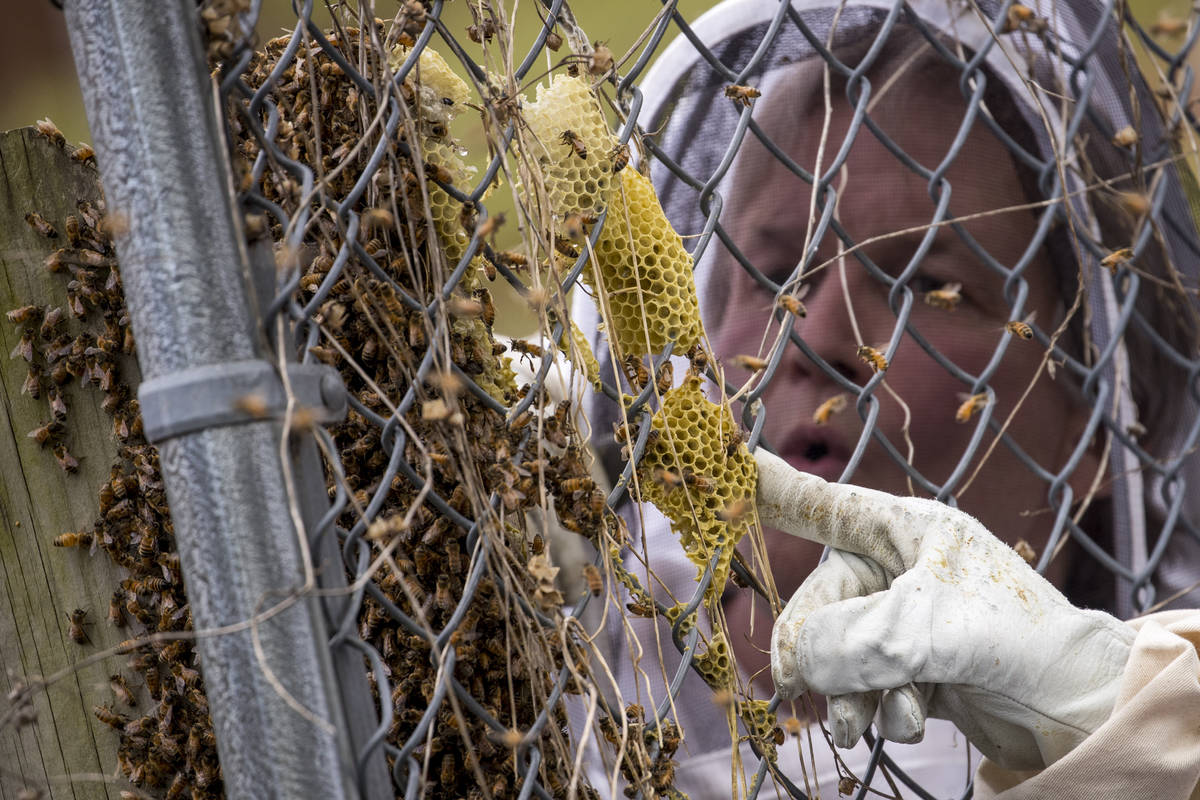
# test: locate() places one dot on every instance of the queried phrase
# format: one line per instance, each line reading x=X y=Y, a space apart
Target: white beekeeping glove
x=920 y=610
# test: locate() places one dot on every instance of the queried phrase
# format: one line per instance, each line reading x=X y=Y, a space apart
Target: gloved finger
x=841 y=576
x=902 y=715
x=881 y=526
x=881 y=641
x=849 y=716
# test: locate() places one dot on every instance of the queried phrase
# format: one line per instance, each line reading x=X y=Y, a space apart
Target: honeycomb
x=575 y=183
x=581 y=355
x=715 y=664
x=700 y=444
x=647 y=273
x=760 y=724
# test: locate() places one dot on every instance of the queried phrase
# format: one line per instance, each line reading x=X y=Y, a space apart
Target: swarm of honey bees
x=168 y=745
x=413 y=351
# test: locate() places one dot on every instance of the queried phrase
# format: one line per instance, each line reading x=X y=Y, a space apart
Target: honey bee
x=636 y=372
x=439 y=173
x=51 y=321
x=489 y=226
x=1126 y=137
x=416 y=332
x=665 y=378
x=527 y=348
x=45 y=127
x=792 y=726
x=741 y=95
x=109 y=717
x=1168 y=24
x=1116 y=258
x=32 y=385
x=572 y=140
x=572 y=485
x=791 y=302
x=619 y=157
x=24 y=348
x=116 y=610
x=538 y=545
x=970 y=404
x=640 y=609
x=735 y=511
x=847 y=784
x=83 y=153
x=442 y=598
x=701 y=483
x=78 y=618
x=669 y=480
x=1018 y=328
x=595 y=581
x=946 y=298
x=872 y=357
x=24 y=314
x=512 y=259
x=601 y=60
x=46 y=432
x=751 y=363
x=828 y=408
x=1022 y=17
x=73 y=539
x=121 y=690
x=575 y=224
x=1135 y=204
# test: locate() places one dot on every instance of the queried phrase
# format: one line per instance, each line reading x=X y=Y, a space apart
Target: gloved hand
x=920 y=610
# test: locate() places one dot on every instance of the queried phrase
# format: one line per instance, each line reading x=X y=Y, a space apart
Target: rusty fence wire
x=372 y=244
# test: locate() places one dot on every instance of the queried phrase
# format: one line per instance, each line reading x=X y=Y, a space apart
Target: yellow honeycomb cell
x=760 y=724
x=441 y=94
x=645 y=273
x=578 y=177
x=695 y=471
x=715 y=664
x=581 y=354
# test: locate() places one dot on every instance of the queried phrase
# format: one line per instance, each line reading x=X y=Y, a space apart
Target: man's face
x=767 y=215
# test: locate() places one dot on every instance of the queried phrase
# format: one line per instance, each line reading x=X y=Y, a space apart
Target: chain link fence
x=499 y=577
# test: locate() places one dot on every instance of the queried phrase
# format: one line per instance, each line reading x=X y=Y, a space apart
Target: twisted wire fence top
x=452 y=473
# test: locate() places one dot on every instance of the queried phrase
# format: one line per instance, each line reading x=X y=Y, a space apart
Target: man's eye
x=923 y=284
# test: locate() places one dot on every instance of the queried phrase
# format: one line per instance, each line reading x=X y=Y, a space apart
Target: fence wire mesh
x=515 y=605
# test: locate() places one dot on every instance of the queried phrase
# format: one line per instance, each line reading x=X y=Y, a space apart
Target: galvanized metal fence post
x=276 y=706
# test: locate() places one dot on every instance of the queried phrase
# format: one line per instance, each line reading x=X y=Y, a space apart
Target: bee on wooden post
x=46 y=432
x=946 y=298
x=73 y=539
x=50 y=322
x=78 y=619
x=24 y=314
x=109 y=717
x=742 y=95
x=572 y=140
x=47 y=128
x=84 y=153
x=970 y=405
x=116 y=610
x=120 y=688
x=828 y=408
x=873 y=357
x=66 y=461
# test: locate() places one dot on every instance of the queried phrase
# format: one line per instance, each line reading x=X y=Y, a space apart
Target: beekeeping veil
x=1072 y=85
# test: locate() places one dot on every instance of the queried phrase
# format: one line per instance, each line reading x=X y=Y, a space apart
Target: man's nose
x=827 y=329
